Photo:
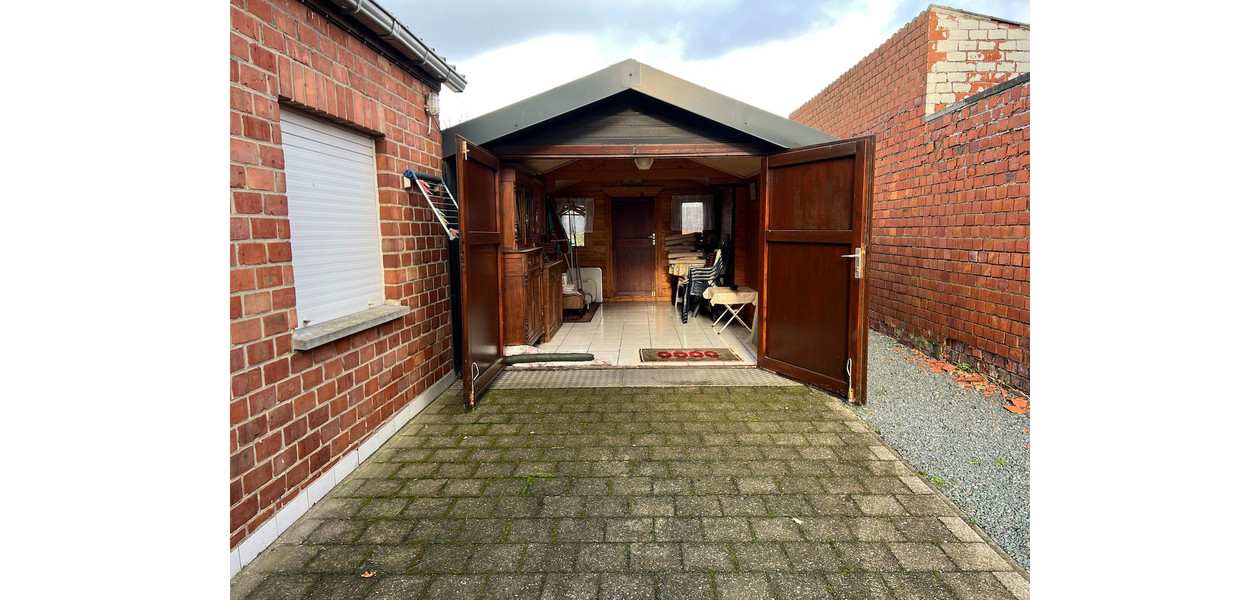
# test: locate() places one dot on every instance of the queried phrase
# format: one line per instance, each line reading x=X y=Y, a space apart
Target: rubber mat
x=647 y=377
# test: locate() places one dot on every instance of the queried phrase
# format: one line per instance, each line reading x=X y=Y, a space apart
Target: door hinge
x=463 y=146
x=858 y=257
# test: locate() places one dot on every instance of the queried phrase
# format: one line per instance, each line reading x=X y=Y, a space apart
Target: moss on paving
x=777 y=491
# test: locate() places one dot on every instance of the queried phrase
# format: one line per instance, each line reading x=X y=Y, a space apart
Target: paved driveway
x=672 y=492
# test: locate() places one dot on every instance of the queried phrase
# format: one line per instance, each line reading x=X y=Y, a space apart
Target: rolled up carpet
x=553 y=357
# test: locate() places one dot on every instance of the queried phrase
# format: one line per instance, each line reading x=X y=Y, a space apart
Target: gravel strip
x=965 y=444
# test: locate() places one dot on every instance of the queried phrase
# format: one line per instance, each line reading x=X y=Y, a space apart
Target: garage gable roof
x=632 y=75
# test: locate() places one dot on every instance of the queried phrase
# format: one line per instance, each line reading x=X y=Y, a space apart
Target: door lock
x=858 y=260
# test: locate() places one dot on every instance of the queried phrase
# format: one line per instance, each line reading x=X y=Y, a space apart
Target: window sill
x=312 y=336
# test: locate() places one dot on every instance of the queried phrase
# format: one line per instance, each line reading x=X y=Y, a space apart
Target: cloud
x=708 y=28
x=772 y=54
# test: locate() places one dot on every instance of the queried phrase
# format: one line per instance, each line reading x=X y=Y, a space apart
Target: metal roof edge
x=645 y=79
x=546 y=105
x=395 y=33
x=728 y=111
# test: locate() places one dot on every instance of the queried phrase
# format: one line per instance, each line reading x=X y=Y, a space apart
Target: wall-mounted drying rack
x=440 y=199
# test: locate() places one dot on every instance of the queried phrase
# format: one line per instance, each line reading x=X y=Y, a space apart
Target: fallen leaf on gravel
x=368 y=574
x=1019 y=410
x=1021 y=402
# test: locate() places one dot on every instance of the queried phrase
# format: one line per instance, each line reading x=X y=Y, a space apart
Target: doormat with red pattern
x=686 y=355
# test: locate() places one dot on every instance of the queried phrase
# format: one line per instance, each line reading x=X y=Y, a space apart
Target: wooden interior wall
x=598 y=249
x=746 y=255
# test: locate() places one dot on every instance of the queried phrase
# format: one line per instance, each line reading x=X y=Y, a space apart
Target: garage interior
x=643 y=171
x=624 y=143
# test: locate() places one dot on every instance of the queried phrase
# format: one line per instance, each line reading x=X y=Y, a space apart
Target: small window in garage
x=577 y=215
x=335 y=231
x=692 y=213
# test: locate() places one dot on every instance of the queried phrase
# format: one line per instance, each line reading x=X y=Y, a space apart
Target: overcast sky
x=773 y=54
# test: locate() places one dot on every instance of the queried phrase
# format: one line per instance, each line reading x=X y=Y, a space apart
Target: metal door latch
x=858 y=260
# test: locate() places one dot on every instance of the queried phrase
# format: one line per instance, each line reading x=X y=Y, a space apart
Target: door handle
x=858 y=258
x=653 y=238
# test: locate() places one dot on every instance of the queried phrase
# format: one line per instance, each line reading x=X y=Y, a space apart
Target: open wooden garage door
x=816 y=220
x=480 y=261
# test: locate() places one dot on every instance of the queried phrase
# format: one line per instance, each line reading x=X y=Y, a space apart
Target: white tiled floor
x=620 y=329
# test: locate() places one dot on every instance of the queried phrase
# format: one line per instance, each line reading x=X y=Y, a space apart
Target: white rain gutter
x=391 y=30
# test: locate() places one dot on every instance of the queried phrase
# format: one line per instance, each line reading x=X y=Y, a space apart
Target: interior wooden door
x=634 y=247
x=815 y=219
x=481 y=264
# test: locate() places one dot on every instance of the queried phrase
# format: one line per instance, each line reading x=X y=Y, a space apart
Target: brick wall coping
x=969 y=100
x=306 y=338
x=940 y=7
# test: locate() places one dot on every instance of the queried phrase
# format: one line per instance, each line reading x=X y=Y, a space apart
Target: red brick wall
x=294 y=414
x=950 y=215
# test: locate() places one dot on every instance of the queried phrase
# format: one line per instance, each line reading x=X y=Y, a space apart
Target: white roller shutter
x=334 y=218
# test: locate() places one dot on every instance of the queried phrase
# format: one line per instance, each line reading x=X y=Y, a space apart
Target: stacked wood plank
x=684 y=249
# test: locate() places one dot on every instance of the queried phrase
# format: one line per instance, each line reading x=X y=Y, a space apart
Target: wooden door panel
x=813 y=300
x=481 y=264
x=483 y=307
x=814 y=196
x=634 y=254
x=815 y=212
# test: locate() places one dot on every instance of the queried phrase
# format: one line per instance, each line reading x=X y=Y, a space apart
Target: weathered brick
x=935 y=182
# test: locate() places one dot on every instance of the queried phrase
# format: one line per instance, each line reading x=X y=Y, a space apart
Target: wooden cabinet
x=521 y=200
x=523 y=288
x=553 y=308
x=531 y=290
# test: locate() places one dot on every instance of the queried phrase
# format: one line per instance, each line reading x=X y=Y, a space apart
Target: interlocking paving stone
x=875 y=529
x=917 y=585
x=812 y=557
x=975 y=557
x=392 y=559
x=336 y=587
x=602 y=557
x=513 y=587
x=921 y=557
x=457 y=587
x=399 y=587
x=729 y=492
x=626 y=586
x=760 y=557
x=976 y=585
x=655 y=557
x=800 y=585
x=570 y=586
x=284 y=586
x=707 y=557
x=685 y=586
x=742 y=586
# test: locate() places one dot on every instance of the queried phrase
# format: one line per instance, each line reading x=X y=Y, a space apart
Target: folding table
x=732 y=301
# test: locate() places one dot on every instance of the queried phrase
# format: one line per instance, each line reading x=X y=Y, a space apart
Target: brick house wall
x=947 y=99
x=295 y=414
